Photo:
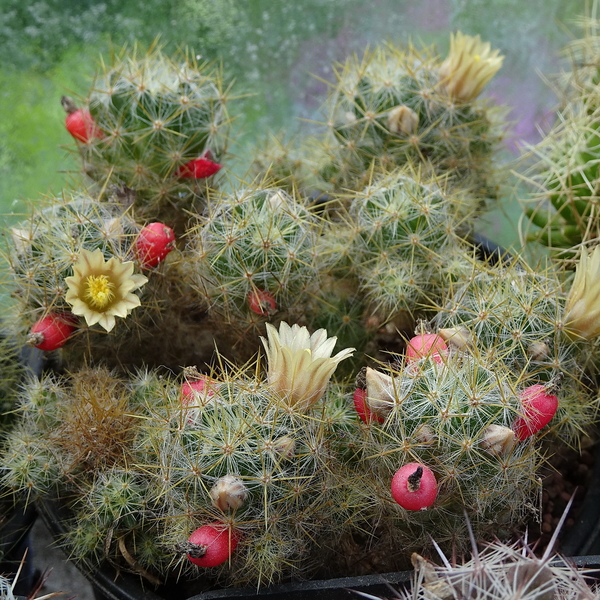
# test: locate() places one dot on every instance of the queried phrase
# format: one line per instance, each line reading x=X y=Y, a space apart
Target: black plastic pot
x=15 y=546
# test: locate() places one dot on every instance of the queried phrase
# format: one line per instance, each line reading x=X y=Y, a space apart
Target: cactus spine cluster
x=500 y=571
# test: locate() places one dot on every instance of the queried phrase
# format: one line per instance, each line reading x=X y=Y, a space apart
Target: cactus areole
x=211 y=545
x=52 y=331
x=414 y=487
x=153 y=244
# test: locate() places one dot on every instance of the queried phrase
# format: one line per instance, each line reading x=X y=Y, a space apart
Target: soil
x=569 y=474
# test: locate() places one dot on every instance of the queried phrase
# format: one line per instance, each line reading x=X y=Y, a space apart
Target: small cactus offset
x=526 y=321
x=253 y=255
x=49 y=248
x=404 y=227
x=398 y=105
x=160 y=127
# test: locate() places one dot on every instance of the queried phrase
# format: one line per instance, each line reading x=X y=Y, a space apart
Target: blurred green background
x=271 y=49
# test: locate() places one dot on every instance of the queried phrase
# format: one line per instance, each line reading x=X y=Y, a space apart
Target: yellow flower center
x=99 y=291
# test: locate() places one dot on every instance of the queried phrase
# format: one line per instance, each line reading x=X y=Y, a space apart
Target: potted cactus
x=402 y=382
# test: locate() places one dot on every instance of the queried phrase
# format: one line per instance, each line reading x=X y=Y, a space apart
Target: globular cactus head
x=451 y=414
x=401 y=228
x=46 y=248
x=161 y=128
x=253 y=255
x=397 y=105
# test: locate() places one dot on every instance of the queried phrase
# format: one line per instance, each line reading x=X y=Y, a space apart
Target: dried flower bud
x=380 y=392
x=402 y=120
x=277 y=200
x=22 y=239
x=228 y=493
x=285 y=447
x=425 y=434
x=498 y=440
x=437 y=588
x=458 y=337
x=538 y=351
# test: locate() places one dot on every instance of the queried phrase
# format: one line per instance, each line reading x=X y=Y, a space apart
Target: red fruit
x=52 y=331
x=428 y=345
x=539 y=405
x=262 y=302
x=360 y=404
x=215 y=544
x=190 y=388
x=153 y=244
x=79 y=122
x=414 y=487
x=200 y=167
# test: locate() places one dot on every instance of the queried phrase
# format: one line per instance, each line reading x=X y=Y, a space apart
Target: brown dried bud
x=425 y=434
x=380 y=392
x=538 y=351
x=285 y=447
x=498 y=440
x=228 y=493
x=459 y=337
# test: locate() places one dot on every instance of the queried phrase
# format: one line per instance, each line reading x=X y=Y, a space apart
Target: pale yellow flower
x=469 y=66
x=300 y=365
x=582 y=310
x=100 y=290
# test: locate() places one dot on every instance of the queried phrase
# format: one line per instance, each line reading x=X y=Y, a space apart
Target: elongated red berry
x=214 y=545
x=79 y=122
x=153 y=244
x=426 y=345
x=262 y=302
x=414 y=487
x=52 y=331
x=200 y=167
x=539 y=405
x=362 y=409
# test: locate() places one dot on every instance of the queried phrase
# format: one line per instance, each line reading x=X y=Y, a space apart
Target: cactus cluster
x=169 y=460
x=497 y=572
